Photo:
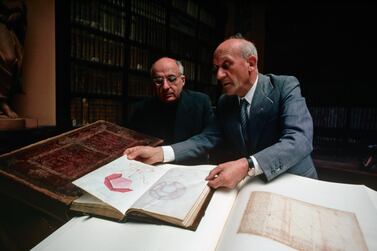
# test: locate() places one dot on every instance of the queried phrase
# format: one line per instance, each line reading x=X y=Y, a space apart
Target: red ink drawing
x=115 y=182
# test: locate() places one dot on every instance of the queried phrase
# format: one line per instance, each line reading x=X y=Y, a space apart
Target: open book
x=126 y=189
x=288 y=213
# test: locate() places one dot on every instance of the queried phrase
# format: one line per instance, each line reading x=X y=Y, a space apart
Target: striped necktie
x=244 y=119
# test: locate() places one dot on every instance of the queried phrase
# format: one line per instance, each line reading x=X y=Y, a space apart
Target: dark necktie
x=244 y=119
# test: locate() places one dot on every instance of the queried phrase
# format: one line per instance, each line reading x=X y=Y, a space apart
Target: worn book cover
x=46 y=169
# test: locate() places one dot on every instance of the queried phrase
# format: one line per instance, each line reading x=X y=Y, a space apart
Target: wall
x=249 y=20
x=38 y=97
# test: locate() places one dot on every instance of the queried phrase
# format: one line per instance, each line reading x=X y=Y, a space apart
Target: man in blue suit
x=275 y=135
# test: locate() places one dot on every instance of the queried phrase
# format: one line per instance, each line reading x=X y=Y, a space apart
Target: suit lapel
x=260 y=104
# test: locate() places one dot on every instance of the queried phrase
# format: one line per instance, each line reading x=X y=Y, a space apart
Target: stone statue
x=12 y=34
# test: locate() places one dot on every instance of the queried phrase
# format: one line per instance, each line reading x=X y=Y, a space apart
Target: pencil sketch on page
x=167 y=190
x=175 y=192
x=301 y=225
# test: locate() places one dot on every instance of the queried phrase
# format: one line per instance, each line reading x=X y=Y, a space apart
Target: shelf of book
x=343 y=161
x=106 y=48
x=91 y=49
x=338 y=170
x=344 y=125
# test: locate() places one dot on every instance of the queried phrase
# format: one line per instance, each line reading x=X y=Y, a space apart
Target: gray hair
x=247 y=48
x=180 y=66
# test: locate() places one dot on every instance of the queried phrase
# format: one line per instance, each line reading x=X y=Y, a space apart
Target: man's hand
x=228 y=174
x=145 y=154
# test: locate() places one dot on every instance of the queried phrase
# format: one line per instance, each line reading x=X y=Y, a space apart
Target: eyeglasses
x=172 y=79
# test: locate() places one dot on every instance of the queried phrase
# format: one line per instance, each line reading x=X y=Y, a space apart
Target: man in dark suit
x=263 y=117
x=173 y=114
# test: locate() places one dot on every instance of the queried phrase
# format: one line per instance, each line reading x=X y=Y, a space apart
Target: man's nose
x=220 y=74
x=165 y=84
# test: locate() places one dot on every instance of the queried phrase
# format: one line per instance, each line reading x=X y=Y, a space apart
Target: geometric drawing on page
x=138 y=173
x=115 y=182
x=301 y=225
x=167 y=190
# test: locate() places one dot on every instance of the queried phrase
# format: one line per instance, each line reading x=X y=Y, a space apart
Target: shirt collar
x=250 y=94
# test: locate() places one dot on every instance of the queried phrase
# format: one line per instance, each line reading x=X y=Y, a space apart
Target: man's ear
x=252 y=60
x=183 y=79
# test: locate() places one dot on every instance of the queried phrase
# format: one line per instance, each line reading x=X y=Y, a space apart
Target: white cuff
x=258 y=170
x=168 y=154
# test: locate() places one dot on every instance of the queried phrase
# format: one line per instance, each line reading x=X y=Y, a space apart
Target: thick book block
x=126 y=190
x=41 y=174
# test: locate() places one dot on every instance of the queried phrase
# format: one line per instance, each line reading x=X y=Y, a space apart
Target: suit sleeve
x=295 y=142
x=198 y=145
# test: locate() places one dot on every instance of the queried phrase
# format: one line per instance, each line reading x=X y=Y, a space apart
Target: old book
x=126 y=189
x=41 y=174
x=288 y=213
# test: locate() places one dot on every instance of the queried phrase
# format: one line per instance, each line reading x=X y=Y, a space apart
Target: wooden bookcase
x=105 y=49
x=328 y=53
x=91 y=49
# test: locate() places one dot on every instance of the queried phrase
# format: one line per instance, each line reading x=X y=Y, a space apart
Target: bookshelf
x=315 y=43
x=194 y=34
x=90 y=61
x=105 y=49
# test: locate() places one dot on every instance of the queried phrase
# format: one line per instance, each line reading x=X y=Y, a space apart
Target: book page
x=121 y=182
x=371 y=194
x=301 y=225
x=175 y=193
x=289 y=220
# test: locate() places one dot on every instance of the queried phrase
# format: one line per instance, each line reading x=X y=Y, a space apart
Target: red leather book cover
x=50 y=166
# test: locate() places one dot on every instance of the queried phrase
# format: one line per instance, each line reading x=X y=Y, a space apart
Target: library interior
x=71 y=63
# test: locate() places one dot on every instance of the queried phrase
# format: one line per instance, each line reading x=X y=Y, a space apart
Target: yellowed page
x=301 y=225
x=351 y=202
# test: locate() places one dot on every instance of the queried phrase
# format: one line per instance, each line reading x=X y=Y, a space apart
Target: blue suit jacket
x=280 y=129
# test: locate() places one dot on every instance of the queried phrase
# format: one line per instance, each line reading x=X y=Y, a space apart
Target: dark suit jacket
x=280 y=128
x=188 y=117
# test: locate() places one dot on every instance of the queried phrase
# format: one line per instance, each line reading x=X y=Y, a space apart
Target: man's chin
x=169 y=99
x=228 y=90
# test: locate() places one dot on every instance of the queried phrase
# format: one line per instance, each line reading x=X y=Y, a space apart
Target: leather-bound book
x=41 y=174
